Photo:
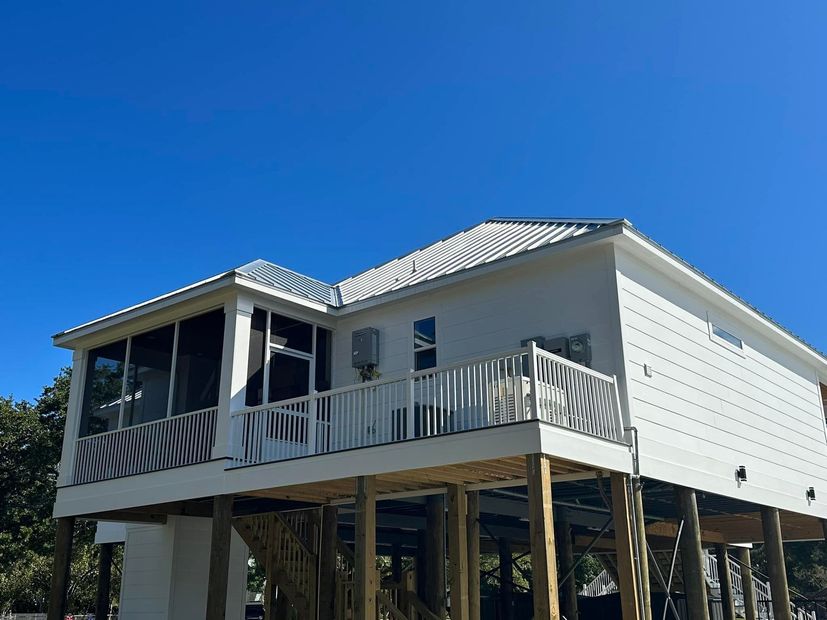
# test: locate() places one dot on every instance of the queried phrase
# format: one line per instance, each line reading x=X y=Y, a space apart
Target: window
x=424 y=343
x=724 y=337
x=128 y=382
x=102 y=390
x=291 y=334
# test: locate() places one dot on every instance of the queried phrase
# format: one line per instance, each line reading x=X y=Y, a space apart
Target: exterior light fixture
x=811 y=494
x=741 y=473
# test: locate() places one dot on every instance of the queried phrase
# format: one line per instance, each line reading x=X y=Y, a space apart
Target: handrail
x=579 y=367
x=178 y=416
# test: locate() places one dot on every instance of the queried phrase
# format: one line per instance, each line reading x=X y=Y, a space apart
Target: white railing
x=513 y=386
x=172 y=442
x=600 y=586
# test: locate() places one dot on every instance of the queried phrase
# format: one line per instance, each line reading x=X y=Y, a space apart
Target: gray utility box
x=365 y=347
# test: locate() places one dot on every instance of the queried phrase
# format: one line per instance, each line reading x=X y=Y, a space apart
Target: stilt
x=282 y=607
x=365 y=588
x=506 y=580
x=624 y=544
x=750 y=605
x=396 y=563
x=725 y=582
x=458 y=551
x=104 y=580
x=222 y=513
x=421 y=560
x=568 y=589
x=776 y=568
x=692 y=554
x=541 y=537
x=473 y=530
x=643 y=555
x=60 y=568
x=435 y=554
x=327 y=563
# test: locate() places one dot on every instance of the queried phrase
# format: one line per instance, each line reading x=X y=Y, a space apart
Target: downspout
x=634 y=482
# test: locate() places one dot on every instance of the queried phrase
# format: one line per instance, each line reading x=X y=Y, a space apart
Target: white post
x=312 y=417
x=232 y=393
x=620 y=432
x=72 y=427
x=532 y=373
x=410 y=431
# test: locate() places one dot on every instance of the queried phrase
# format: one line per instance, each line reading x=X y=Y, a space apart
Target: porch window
x=129 y=382
x=424 y=339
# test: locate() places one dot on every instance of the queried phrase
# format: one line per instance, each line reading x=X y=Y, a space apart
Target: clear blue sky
x=144 y=146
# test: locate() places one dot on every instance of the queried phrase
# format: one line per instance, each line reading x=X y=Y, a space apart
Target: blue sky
x=144 y=146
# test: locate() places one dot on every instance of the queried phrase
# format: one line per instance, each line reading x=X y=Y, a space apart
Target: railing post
x=618 y=417
x=312 y=417
x=411 y=418
x=533 y=382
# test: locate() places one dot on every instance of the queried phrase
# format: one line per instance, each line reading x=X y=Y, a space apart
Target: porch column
x=506 y=579
x=643 y=554
x=568 y=589
x=692 y=558
x=458 y=551
x=104 y=580
x=750 y=606
x=60 y=568
x=473 y=529
x=73 y=411
x=232 y=390
x=776 y=567
x=435 y=554
x=222 y=513
x=541 y=537
x=327 y=563
x=725 y=582
x=364 y=594
x=624 y=546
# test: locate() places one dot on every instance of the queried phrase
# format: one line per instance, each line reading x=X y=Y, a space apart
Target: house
x=543 y=387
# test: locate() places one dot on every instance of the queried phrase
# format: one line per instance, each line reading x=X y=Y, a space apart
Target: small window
x=724 y=337
x=425 y=343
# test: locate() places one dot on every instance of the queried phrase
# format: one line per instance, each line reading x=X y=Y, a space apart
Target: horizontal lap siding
x=706 y=409
x=485 y=315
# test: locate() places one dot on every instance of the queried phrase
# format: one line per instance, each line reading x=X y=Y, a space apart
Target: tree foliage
x=31 y=438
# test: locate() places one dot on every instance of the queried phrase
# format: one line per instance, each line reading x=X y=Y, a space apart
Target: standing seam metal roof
x=487 y=242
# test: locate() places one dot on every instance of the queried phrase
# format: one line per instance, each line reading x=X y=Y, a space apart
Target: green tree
x=31 y=437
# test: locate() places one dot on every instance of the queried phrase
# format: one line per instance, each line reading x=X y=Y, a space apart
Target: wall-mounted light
x=811 y=494
x=741 y=473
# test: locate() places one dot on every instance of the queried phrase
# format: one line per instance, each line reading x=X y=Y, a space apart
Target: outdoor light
x=741 y=473
x=811 y=494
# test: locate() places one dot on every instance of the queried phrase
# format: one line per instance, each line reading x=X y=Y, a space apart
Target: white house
x=516 y=366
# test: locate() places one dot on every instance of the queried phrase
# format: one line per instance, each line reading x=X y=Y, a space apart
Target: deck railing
x=171 y=442
x=513 y=386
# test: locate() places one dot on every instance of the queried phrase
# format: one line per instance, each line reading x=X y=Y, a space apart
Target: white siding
x=166 y=568
x=708 y=409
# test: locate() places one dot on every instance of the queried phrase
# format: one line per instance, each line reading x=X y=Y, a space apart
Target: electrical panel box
x=365 y=347
x=558 y=346
x=580 y=349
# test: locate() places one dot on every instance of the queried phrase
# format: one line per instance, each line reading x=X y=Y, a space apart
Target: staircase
x=285 y=547
x=604 y=583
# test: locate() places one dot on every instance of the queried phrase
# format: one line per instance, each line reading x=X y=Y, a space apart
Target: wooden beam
x=104 y=580
x=506 y=579
x=541 y=534
x=667 y=529
x=473 y=531
x=643 y=555
x=725 y=581
x=692 y=559
x=458 y=551
x=565 y=547
x=434 y=587
x=365 y=588
x=776 y=567
x=327 y=563
x=626 y=555
x=60 y=568
x=126 y=516
x=222 y=526
x=750 y=602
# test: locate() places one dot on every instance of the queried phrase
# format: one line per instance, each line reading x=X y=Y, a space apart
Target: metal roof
x=484 y=243
x=290 y=281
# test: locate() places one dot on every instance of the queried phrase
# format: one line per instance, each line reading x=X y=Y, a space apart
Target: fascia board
x=645 y=248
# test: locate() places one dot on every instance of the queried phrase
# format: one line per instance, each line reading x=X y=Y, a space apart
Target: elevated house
x=543 y=388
